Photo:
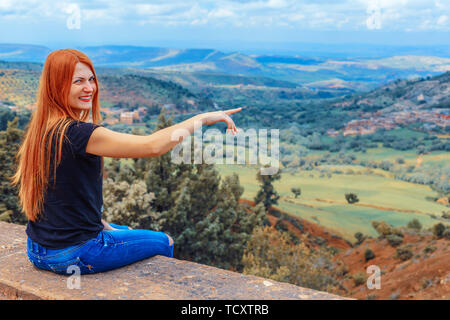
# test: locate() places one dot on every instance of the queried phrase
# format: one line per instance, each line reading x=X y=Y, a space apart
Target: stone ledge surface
x=156 y=278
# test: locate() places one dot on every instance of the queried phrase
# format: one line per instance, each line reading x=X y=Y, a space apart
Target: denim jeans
x=111 y=249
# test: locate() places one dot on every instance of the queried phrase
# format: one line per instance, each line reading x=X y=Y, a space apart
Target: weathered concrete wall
x=154 y=278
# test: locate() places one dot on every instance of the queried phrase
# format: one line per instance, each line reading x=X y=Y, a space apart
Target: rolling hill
x=353 y=74
x=19 y=82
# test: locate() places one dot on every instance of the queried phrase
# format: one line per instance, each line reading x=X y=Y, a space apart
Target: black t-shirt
x=72 y=208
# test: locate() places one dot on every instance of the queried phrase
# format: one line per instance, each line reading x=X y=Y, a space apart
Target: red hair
x=52 y=117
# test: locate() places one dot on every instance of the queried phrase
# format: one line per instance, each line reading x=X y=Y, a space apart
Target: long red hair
x=51 y=118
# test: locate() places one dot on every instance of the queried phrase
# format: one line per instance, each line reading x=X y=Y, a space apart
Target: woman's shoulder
x=82 y=125
x=78 y=134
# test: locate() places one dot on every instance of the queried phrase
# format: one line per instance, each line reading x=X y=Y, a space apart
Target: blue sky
x=220 y=24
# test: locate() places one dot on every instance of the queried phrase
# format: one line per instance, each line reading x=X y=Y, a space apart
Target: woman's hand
x=209 y=118
x=106 y=226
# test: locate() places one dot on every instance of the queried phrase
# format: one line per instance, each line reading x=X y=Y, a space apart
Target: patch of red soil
x=424 y=276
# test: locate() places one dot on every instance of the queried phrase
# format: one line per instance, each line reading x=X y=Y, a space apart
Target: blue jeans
x=111 y=249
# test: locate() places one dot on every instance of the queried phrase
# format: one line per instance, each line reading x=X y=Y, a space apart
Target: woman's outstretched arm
x=108 y=143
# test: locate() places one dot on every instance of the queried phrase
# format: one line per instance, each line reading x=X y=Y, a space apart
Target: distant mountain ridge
x=23 y=52
x=355 y=74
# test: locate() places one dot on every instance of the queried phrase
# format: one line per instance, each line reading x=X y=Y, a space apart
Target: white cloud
x=388 y=15
x=6 y=5
x=277 y=4
x=221 y=13
x=439 y=5
x=295 y=17
x=442 y=20
x=154 y=9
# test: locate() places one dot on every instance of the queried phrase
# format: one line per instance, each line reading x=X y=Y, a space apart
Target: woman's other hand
x=106 y=226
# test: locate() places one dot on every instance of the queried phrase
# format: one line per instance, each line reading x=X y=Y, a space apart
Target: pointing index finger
x=233 y=110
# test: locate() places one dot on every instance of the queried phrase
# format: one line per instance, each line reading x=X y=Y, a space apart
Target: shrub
x=275 y=213
x=372 y=296
x=359 y=278
x=438 y=230
x=414 y=224
x=281 y=226
x=270 y=254
x=426 y=283
x=429 y=249
x=341 y=269
x=395 y=295
x=369 y=255
x=359 y=238
x=320 y=241
x=397 y=231
x=385 y=229
x=351 y=198
x=403 y=253
x=394 y=240
x=446 y=233
x=382 y=228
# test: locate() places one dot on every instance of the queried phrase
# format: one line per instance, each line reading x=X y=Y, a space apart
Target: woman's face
x=82 y=89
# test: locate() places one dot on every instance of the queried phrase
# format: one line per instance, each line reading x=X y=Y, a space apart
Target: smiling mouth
x=86 y=98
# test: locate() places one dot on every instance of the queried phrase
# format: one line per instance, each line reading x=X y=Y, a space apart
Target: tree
x=119 y=171
x=176 y=223
x=438 y=230
x=161 y=175
x=6 y=115
x=368 y=255
x=228 y=227
x=129 y=204
x=351 y=198
x=296 y=191
x=140 y=165
x=360 y=237
x=209 y=224
x=267 y=194
x=195 y=199
x=414 y=224
x=10 y=140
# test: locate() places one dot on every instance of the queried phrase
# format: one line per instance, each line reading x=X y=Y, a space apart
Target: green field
x=378 y=154
x=323 y=199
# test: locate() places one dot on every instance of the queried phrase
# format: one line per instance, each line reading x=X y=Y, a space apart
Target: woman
x=60 y=172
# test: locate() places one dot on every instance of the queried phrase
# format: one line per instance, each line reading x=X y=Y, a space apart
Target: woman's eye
x=91 y=79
